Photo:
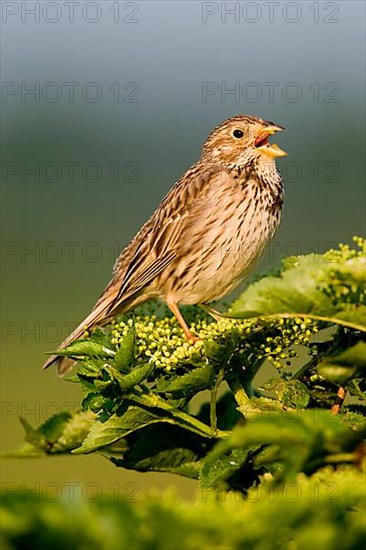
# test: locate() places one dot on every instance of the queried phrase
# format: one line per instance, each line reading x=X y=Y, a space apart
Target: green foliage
x=139 y=376
x=323 y=511
x=60 y=434
x=329 y=286
x=284 y=444
x=305 y=328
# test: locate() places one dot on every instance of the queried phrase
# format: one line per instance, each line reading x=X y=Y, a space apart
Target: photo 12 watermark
x=25 y=332
x=69 y=491
x=29 y=12
x=37 y=412
x=69 y=92
x=270 y=12
x=53 y=252
x=270 y=92
x=69 y=171
x=92 y=252
x=291 y=491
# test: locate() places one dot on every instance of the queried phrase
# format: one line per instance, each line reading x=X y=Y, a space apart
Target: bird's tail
x=98 y=316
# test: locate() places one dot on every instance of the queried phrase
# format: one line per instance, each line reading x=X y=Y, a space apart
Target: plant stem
x=241 y=397
x=157 y=402
x=215 y=389
x=326 y=319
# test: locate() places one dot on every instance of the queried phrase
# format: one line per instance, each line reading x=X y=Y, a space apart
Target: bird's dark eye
x=238 y=134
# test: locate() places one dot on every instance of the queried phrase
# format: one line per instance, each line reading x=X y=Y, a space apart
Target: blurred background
x=104 y=105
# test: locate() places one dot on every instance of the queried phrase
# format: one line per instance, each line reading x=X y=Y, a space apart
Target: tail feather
x=97 y=316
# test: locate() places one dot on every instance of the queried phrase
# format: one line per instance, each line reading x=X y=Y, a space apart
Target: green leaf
x=59 y=434
x=213 y=473
x=73 y=432
x=292 y=393
x=86 y=348
x=324 y=511
x=116 y=427
x=301 y=442
x=124 y=358
x=338 y=374
x=54 y=426
x=194 y=381
x=94 y=401
x=49 y=432
x=34 y=436
x=132 y=419
x=26 y=451
x=353 y=314
x=170 y=450
x=219 y=352
x=135 y=377
x=352 y=356
x=345 y=365
x=313 y=287
x=89 y=370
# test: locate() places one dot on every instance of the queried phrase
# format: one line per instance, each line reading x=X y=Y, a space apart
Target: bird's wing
x=156 y=246
x=142 y=278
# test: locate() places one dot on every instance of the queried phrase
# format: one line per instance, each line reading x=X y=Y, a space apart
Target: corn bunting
x=206 y=234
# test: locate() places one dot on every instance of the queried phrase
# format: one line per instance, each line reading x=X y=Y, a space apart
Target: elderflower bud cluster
x=161 y=340
x=345 y=252
x=287 y=333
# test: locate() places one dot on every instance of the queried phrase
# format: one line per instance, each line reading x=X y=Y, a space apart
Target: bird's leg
x=341 y=395
x=175 y=310
x=213 y=312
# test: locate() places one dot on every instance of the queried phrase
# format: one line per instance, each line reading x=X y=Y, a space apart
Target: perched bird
x=206 y=234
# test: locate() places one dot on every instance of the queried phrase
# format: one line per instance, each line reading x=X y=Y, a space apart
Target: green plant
x=304 y=327
x=323 y=511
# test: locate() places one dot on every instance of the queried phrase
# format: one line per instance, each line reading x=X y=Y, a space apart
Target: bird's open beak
x=262 y=144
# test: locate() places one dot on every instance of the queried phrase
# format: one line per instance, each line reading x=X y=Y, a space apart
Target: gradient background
x=168 y=52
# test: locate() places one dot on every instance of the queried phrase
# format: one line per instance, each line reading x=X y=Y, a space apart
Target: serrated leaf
x=73 y=433
x=54 y=426
x=135 y=377
x=356 y=421
x=197 y=380
x=125 y=355
x=133 y=419
x=222 y=468
x=93 y=401
x=59 y=434
x=298 y=441
x=34 y=436
x=116 y=427
x=294 y=394
x=220 y=352
x=86 y=348
x=90 y=369
x=169 y=450
x=307 y=289
x=353 y=386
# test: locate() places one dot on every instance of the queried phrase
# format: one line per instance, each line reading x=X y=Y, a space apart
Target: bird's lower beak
x=262 y=144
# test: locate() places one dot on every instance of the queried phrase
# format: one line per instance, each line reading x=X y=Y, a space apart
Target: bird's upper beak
x=262 y=144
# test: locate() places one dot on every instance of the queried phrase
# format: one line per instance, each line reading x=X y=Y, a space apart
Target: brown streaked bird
x=205 y=235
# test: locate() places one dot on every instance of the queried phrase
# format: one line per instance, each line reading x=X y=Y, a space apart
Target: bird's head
x=242 y=140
